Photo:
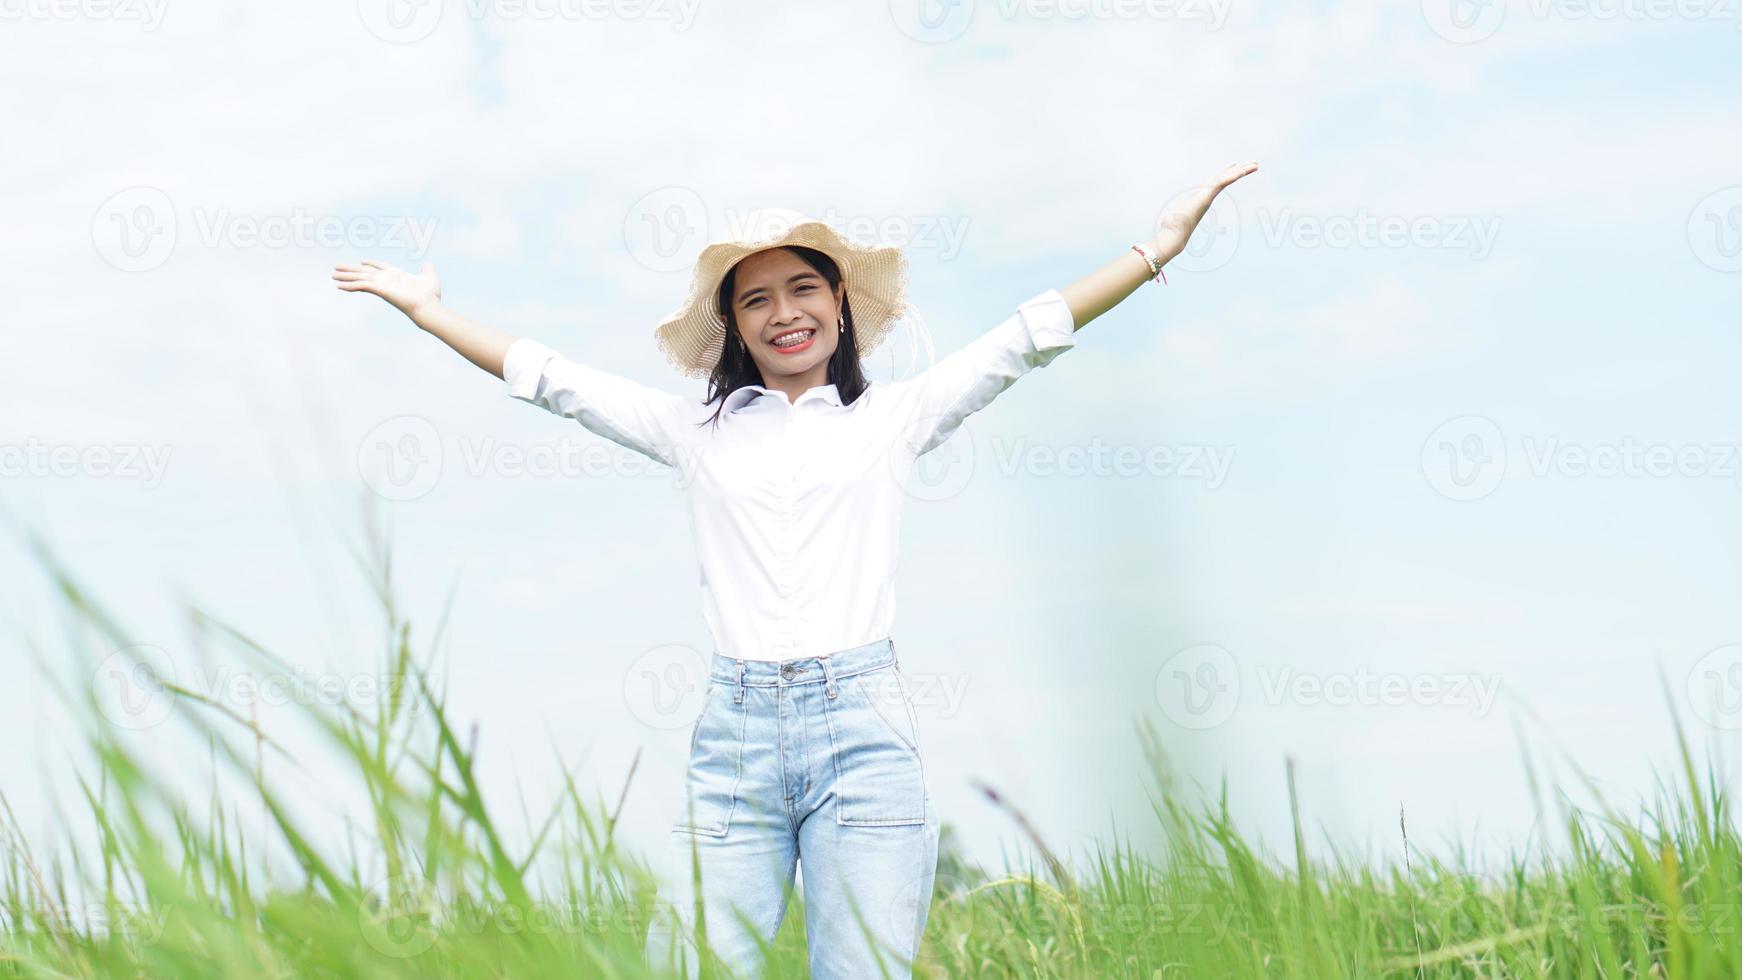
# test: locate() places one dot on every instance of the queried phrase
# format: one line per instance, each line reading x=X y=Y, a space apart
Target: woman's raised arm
x=929 y=408
x=419 y=296
x=1107 y=287
x=647 y=420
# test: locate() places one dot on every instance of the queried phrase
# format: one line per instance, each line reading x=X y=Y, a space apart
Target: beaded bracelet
x=1154 y=264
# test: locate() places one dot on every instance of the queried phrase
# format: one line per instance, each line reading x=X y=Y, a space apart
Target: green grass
x=430 y=888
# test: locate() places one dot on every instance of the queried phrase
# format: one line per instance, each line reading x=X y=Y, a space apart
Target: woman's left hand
x=1175 y=227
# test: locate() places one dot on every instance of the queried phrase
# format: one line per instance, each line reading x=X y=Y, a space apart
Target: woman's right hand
x=408 y=292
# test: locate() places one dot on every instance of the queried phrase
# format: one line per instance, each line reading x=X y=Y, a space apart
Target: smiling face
x=776 y=295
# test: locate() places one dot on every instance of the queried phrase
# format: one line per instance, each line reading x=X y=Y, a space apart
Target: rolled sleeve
x=523 y=366
x=1051 y=328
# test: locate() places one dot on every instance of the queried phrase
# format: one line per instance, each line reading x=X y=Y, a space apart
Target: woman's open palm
x=1233 y=172
x=407 y=291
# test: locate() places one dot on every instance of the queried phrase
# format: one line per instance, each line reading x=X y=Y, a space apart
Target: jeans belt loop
x=828 y=678
x=738 y=695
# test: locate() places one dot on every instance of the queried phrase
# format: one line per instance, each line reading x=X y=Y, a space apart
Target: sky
x=1426 y=453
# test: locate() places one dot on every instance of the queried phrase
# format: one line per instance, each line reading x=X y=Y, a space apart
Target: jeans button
x=787 y=671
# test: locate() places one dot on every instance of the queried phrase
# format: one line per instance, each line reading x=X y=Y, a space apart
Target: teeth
x=792 y=340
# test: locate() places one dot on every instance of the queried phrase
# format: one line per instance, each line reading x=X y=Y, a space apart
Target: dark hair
x=736 y=369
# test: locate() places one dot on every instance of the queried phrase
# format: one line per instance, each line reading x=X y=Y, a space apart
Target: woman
x=806 y=747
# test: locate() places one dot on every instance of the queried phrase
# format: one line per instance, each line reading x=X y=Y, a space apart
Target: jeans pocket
x=711 y=778
x=879 y=774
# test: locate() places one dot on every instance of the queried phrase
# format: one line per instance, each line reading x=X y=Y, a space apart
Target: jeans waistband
x=803 y=670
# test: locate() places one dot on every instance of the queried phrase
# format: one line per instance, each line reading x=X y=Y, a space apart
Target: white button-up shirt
x=796 y=507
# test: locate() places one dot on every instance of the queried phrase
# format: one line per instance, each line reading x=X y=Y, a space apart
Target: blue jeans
x=813 y=761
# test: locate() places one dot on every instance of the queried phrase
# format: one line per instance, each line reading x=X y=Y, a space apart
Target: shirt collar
x=749 y=393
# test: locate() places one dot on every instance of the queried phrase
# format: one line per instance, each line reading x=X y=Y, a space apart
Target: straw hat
x=874 y=276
